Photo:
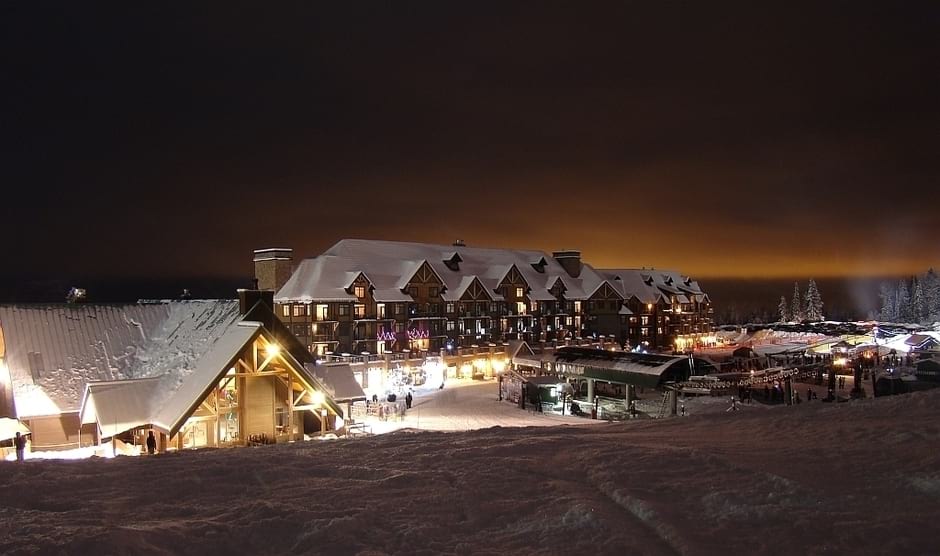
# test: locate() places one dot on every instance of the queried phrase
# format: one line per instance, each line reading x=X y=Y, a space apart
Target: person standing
x=408 y=399
x=19 y=442
x=151 y=443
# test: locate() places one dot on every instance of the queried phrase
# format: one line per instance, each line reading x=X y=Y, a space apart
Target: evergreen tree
x=903 y=303
x=783 y=309
x=889 y=308
x=796 y=307
x=814 y=304
x=919 y=312
x=932 y=295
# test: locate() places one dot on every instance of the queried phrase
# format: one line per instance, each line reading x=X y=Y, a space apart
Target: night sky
x=740 y=140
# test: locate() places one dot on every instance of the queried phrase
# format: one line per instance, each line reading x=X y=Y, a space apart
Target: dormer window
x=539 y=265
x=453 y=262
x=359 y=291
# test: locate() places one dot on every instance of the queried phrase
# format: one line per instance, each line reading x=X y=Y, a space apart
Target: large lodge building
x=375 y=297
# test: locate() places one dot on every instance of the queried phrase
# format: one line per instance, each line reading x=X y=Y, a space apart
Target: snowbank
x=854 y=478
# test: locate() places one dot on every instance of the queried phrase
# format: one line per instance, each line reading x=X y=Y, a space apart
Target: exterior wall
x=258 y=399
x=59 y=432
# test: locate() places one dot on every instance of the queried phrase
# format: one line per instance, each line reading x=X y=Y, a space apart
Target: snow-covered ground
x=465 y=405
x=852 y=478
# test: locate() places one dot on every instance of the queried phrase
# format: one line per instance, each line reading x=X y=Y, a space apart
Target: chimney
x=459 y=243
x=273 y=268
x=570 y=261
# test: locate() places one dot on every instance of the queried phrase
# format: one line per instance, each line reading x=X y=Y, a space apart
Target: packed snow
x=817 y=478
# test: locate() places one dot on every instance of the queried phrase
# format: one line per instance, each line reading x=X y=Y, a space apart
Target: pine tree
x=796 y=307
x=889 y=308
x=783 y=309
x=814 y=304
x=919 y=311
x=903 y=303
x=932 y=295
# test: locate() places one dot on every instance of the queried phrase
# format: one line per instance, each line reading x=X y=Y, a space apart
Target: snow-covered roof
x=9 y=428
x=392 y=264
x=180 y=391
x=651 y=286
x=627 y=367
x=339 y=381
x=119 y=405
x=53 y=351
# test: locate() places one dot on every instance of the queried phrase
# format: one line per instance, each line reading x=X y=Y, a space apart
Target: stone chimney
x=570 y=261
x=273 y=268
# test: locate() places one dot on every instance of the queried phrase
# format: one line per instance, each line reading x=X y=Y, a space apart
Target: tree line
x=808 y=307
x=914 y=300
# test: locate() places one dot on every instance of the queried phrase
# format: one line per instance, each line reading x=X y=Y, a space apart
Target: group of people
x=391 y=406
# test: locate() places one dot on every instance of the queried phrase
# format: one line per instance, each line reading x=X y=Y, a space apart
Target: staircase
x=663 y=407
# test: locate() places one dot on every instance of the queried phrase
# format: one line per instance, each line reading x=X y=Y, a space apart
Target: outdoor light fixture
x=318 y=397
x=272 y=350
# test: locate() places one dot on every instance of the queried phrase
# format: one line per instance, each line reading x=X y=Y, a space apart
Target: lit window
x=577 y=306
x=298 y=310
x=323 y=312
x=286 y=310
x=519 y=292
x=450 y=307
x=360 y=291
x=534 y=306
x=360 y=311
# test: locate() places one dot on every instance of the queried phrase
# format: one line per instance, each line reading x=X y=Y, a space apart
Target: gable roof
x=54 y=350
x=118 y=405
x=390 y=265
x=651 y=286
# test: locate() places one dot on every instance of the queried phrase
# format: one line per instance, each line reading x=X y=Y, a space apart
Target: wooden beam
x=290 y=408
x=266 y=361
x=264 y=373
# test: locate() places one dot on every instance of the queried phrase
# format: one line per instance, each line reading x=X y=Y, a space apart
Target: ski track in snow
x=859 y=478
